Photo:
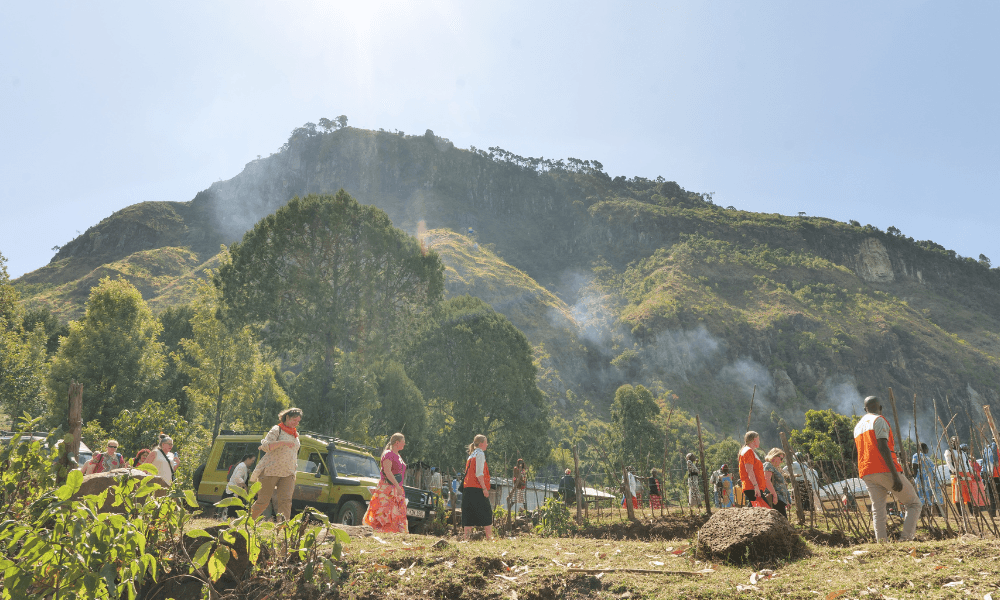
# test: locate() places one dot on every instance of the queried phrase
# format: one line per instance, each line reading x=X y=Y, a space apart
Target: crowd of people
x=160 y=456
x=757 y=483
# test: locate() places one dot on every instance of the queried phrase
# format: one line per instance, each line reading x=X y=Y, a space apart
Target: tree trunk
x=218 y=400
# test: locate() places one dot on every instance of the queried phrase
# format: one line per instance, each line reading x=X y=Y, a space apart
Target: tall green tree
x=340 y=402
x=112 y=351
x=475 y=370
x=22 y=354
x=327 y=274
x=633 y=426
x=176 y=326
x=827 y=436
x=401 y=408
x=230 y=382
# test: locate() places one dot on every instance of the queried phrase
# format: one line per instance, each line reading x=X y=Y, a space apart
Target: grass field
x=531 y=566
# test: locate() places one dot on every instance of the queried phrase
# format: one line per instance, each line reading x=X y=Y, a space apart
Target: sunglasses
x=110 y=446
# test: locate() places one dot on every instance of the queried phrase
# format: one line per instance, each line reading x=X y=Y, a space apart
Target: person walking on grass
x=725 y=488
x=776 y=481
x=519 y=486
x=694 y=481
x=237 y=480
x=752 y=472
x=567 y=488
x=965 y=490
x=928 y=488
x=276 y=470
x=387 y=510
x=879 y=468
x=476 y=509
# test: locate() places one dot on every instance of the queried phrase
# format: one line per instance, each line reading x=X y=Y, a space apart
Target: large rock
x=98 y=482
x=739 y=535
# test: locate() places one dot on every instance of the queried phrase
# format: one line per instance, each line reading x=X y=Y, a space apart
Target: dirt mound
x=756 y=535
x=669 y=527
x=826 y=538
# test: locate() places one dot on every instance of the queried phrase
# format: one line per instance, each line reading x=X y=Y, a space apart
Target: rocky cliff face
x=555 y=226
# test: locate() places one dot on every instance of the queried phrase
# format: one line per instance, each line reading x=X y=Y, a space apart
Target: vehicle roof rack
x=337 y=441
x=319 y=436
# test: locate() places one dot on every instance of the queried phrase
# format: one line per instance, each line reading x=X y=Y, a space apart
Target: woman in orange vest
x=476 y=509
x=752 y=471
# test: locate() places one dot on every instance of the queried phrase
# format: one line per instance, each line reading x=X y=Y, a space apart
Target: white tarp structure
x=535 y=494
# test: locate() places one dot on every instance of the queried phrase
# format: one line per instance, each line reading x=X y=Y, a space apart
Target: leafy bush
x=554 y=518
x=54 y=546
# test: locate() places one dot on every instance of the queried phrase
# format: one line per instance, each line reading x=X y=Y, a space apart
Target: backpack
x=229 y=475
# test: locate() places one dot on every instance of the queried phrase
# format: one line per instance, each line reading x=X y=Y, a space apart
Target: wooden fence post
x=704 y=474
x=576 y=480
x=798 y=496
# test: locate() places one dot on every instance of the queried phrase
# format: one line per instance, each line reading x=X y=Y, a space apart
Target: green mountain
x=613 y=280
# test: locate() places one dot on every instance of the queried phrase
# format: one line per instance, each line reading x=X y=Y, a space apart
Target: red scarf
x=289 y=430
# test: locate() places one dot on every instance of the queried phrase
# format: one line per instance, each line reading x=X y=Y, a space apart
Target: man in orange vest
x=881 y=471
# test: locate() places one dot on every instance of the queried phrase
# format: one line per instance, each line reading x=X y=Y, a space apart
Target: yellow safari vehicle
x=334 y=476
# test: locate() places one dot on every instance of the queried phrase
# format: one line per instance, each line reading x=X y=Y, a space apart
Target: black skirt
x=476 y=509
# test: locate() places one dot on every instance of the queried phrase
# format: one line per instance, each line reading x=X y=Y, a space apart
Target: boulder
x=739 y=535
x=98 y=482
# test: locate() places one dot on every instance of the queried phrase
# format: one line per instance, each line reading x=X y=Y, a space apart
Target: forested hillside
x=613 y=280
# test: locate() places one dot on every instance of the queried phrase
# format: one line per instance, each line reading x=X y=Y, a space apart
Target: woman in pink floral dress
x=387 y=509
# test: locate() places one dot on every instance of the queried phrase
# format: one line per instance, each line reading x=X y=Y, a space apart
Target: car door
x=312 y=481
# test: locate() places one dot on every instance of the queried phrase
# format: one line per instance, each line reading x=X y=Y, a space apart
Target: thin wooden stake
x=799 y=514
x=704 y=478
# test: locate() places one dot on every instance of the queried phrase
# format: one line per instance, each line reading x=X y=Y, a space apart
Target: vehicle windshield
x=352 y=465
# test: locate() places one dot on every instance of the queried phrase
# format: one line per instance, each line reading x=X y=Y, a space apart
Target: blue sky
x=885 y=112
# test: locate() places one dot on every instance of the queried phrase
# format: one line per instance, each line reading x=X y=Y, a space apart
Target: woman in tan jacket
x=276 y=470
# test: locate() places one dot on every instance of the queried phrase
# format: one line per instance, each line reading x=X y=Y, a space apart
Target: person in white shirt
x=810 y=499
x=965 y=491
x=238 y=480
x=164 y=460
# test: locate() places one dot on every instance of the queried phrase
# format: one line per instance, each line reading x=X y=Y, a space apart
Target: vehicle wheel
x=351 y=513
x=196 y=478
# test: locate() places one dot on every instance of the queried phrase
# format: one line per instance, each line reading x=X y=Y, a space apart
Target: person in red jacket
x=880 y=470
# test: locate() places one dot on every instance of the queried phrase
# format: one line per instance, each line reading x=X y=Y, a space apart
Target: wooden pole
x=750 y=414
x=70 y=455
x=789 y=457
x=898 y=436
x=579 y=486
x=663 y=474
x=704 y=475
x=991 y=423
x=628 y=495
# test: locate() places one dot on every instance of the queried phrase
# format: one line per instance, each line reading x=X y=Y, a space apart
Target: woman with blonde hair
x=276 y=470
x=476 y=509
x=776 y=481
x=387 y=510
